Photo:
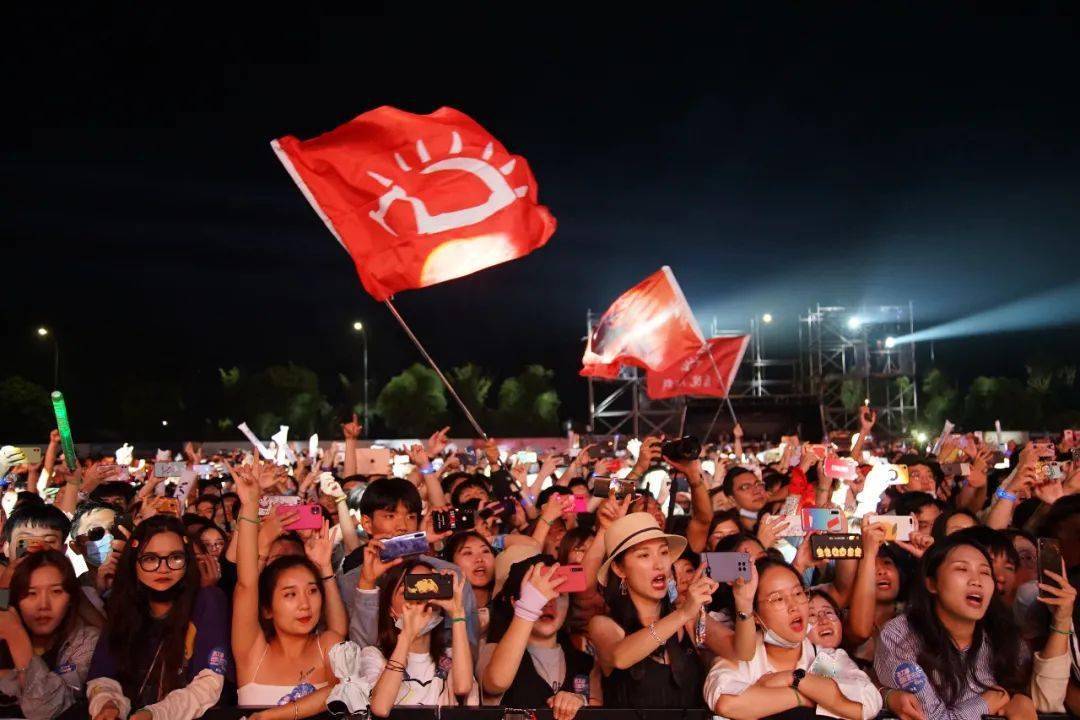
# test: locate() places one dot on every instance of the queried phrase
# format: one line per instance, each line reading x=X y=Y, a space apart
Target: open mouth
x=303 y=619
x=797 y=624
x=659 y=582
x=547 y=616
x=974 y=599
x=884 y=585
x=824 y=631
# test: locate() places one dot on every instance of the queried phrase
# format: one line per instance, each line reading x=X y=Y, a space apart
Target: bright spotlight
x=164 y=423
x=42 y=332
x=890 y=342
x=854 y=322
x=920 y=436
x=358 y=326
x=766 y=318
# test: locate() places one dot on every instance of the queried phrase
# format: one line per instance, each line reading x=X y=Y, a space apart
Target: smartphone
x=505 y=507
x=836 y=546
x=525 y=457
x=404 y=545
x=166 y=506
x=1044 y=449
x=897 y=527
x=954 y=469
x=1046 y=471
x=5 y=598
x=202 y=469
x=373 y=461
x=33 y=454
x=1049 y=559
x=169 y=469
x=269 y=502
x=575 y=578
x=460 y=519
x=819 y=451
x=428 y=586
x=601 y=487
x=311 y=517
x=727 y=566
x=898 y=474
x=840 y=468
x=581 y=504
x=822 y=519
x=790 y=510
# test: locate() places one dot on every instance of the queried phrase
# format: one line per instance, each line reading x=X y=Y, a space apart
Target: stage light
x=766 y=318
x=890 y=342
x=42 y=332
x=920 y=436
x=854 y=322
x=164 y=423
x=358 y=326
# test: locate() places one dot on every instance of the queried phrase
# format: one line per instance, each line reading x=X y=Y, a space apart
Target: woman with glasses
x=164 y=650
x=748 y=492
x=826 y=628
x=789 y=676
x=50 y=646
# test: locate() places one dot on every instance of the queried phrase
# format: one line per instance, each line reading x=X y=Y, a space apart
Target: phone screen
x=1049 y=559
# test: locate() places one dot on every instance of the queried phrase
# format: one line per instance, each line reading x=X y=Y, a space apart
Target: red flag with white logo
x=418 y=199
x=708 y=371
x=650 y=326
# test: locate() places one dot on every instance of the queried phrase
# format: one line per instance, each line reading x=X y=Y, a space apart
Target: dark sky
x=774 y=157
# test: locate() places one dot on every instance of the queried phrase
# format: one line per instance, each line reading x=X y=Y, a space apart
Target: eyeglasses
x=150 y=562
x=214 y=545
x=795 y=597
x=750 y=486
x=825 y=615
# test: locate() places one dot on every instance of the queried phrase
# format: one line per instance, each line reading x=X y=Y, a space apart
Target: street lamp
x=766 y=318
x=43 y=332
x=358 y=327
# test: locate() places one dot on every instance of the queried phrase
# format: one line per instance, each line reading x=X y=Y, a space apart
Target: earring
x=622 y=586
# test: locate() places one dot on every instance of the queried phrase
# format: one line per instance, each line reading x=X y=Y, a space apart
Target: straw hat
x=506 y=559
x=631 y=530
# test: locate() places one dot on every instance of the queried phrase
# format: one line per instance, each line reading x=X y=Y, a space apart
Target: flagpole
x=727 y=390
x=431 y=362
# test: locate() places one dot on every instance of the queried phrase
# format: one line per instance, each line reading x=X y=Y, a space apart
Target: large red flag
x=418 y=199
x=697 y=374
x=650 y=326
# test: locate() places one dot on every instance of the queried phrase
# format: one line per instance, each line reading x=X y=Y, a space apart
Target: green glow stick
x=62 y=425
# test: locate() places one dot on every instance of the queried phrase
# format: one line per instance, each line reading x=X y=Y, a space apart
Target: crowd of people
x=641 y=577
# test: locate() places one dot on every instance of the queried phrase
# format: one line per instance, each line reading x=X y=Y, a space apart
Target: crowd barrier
x=498 y=713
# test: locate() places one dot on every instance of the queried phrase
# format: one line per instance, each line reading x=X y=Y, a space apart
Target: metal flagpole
x=727 y=392
x=453 y=393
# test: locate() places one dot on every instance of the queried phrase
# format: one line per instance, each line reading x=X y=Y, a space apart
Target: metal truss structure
x=848 y=357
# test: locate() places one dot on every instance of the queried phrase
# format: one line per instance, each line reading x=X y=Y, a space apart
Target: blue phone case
x=404 y=545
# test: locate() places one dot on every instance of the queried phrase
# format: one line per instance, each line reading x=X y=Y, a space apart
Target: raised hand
x=455 y=606
x=611 y=510
x=414 y=616
x=698 y=594
x=543 y=578
x=373 y=567
x=770 y=529
x=351 y=430
x=209 y=570
x=245 y=484
x=918 y=544
x=867 y=418
x=648 y=455
x=745 y=590
x=319 y=548
x=737 y=431
x=437 y=442
x=98 y=474
x=1061 y=599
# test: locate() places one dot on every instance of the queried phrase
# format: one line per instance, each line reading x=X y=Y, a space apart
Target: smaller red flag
x=697 y=374
x=650 y=326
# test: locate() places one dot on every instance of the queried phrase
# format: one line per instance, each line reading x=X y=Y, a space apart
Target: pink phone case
x=575 y=578
x=310 y=516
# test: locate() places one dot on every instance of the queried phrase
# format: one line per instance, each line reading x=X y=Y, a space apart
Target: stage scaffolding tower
x=847 y=358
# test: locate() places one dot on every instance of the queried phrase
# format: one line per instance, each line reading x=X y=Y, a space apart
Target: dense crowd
x=785 y=581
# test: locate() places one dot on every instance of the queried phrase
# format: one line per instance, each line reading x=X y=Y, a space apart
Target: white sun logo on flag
x=463 y=256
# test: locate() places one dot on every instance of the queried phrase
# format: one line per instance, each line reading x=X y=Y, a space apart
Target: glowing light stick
x=62 y=425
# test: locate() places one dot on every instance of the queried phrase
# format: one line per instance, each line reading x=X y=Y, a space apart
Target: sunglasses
x=96 y=533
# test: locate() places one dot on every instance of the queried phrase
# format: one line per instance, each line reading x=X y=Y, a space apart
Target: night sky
x=773 y=157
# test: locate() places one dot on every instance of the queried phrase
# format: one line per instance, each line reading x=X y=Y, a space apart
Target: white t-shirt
x=732 y=678
x=424 y=682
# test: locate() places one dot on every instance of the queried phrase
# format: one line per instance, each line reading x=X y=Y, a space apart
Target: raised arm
x=539 y=586
x=863 y=599
x=351 y=431
x=697 y=532
x=319 y=549
x=245 y=625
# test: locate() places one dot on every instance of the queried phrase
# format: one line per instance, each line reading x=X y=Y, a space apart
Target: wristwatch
x=796 y=677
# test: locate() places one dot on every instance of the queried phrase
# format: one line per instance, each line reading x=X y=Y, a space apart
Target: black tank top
x=653 y=684
x=530 y=690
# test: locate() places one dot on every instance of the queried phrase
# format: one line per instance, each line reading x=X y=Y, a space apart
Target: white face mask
x=433 y=623
x=772 y=638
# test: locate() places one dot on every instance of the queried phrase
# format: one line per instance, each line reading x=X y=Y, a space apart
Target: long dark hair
x=20 y=588
x=268 y=581
x=620 y=607
x=502 y=605
x=387 y=635
x=949 y=670
x=129 y=621
x=454 y=544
